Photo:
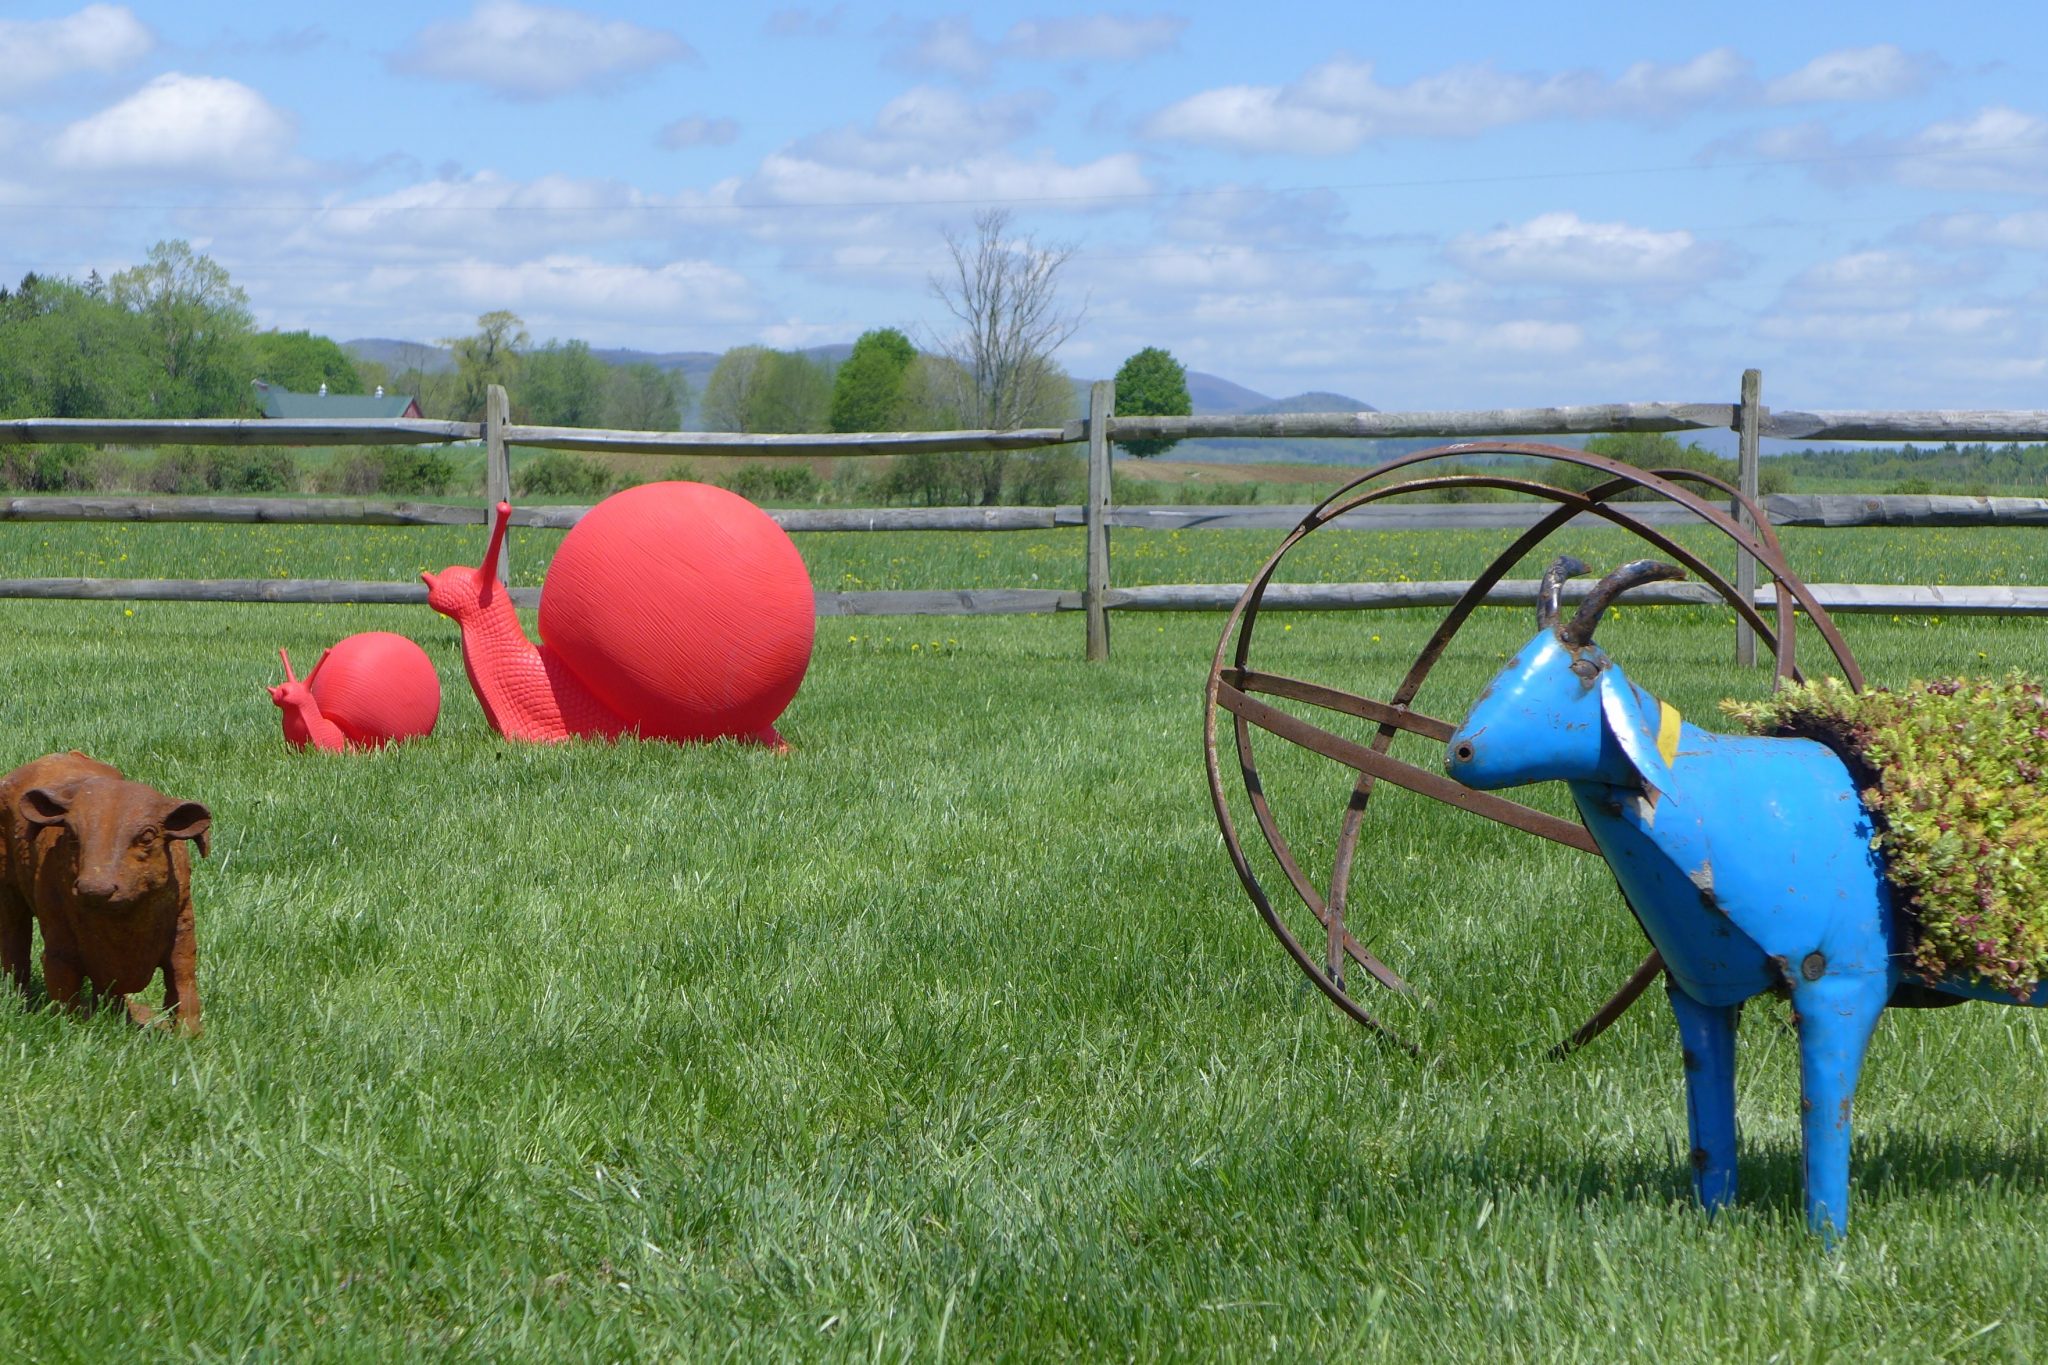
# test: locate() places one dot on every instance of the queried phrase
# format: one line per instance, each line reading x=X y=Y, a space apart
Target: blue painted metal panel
x=1748 y=862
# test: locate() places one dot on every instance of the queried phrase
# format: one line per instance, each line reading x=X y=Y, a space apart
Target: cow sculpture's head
x=1562 y=709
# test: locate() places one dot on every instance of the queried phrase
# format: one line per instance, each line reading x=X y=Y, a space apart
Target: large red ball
x=684 y=608
x=377 y=687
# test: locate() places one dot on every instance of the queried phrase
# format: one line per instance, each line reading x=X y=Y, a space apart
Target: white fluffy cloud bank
x=1340 y=105
x=188 y=125
x=538 y=52
x=99 y=38
x=1563 y=248
x=1851 y=74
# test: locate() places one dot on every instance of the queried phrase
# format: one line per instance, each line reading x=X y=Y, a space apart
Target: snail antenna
x=489 y=568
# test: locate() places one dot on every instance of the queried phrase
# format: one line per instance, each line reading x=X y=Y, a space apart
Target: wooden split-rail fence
x=1096 y=597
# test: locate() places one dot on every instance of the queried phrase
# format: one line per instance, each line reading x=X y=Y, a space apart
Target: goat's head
x=1562 y=709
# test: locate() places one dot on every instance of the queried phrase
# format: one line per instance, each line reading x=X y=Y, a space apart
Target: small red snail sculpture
x=364 y=692
x=672 y=610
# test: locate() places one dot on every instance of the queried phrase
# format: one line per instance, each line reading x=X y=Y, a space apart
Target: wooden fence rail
x=1099 y=430
x=1837 y=510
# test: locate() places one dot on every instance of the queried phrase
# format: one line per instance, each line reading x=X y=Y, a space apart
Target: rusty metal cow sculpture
x=1747 y=860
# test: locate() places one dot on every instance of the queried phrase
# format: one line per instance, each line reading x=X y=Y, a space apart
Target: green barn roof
x=281 y=402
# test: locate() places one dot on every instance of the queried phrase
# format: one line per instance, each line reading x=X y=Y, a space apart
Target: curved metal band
x=1394 y=715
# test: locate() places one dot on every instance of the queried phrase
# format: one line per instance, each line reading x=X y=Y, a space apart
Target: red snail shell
x=377 y=687
x=682 y=607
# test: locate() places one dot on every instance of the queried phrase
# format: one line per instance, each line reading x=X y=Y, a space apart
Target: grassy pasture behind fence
x=1096 y=597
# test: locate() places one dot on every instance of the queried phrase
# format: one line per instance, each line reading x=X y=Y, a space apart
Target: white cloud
x=435 y=216
x=788 y=178
x=947 y=45
x=538 y=52
x=2028 y=230
x=1257 y=118
x=562 y=294
x=178 y=124
x=100 y=38
x=1562 y=248
x=1093 y=38
x=1527 y=336
x=1875 y=279
x=1909 y=328
x=923 y=125
x=698 y=131
x=951 y=45
x=1997 y=148
x=797 y=22
x=1853 y=73
x=1340 y=104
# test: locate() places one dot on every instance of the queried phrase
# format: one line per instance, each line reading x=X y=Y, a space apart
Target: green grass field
x=951 y=1033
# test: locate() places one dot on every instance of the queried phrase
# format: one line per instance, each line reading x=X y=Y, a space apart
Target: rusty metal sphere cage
x=1236 y=686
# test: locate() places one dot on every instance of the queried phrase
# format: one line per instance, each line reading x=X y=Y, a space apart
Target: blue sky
x=1420 y=206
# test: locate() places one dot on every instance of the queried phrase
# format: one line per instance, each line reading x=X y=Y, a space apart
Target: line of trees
x=174 y=337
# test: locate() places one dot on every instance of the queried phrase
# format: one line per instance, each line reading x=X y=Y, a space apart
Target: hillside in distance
x=1208 y=394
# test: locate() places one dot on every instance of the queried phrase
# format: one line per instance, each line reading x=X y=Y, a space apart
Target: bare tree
x=1004 y=293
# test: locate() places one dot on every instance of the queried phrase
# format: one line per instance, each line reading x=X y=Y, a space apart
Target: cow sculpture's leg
x=1836 y=1015
x=17 y=927
x=1707 y=1033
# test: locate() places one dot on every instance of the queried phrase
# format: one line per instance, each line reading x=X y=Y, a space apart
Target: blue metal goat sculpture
x=1747 y=860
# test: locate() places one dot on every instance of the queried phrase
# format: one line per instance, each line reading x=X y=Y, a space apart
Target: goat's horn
x=1561 y=568
x=1579 y=630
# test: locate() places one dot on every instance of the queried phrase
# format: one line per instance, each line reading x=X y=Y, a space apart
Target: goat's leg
x=1836 y=1015
x=1707 y=1033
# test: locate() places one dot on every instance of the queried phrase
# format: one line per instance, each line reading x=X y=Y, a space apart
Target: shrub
x=1046 y=478
x=49 y=469
x=1951 y=773
x=774 y=482
x=391 y=469
x=254 y=469
x=557 y=473
x=928 y=478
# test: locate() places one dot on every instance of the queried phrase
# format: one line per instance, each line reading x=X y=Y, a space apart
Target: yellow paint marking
x=1667 y=731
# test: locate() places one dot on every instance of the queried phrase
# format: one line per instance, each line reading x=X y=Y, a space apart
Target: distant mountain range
x=1210 y=395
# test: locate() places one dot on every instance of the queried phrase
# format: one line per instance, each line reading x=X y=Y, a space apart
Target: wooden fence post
x=1748 y=420
x=1101 y=403
x=497 y=467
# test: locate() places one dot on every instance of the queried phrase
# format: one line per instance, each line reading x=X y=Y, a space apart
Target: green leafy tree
x=645 y=397
x=66 y=352
x=729 y=391
x=563 y=385
x=793 y=393
x=1152 y=384
x=867 y=392
x=195 y=321
x=754 y=389
x=488 y=356
x=302 y=362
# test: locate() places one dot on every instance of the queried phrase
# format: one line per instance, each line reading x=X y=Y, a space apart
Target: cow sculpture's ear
x=189 y=820
x=41 y=806
x=1633 y=731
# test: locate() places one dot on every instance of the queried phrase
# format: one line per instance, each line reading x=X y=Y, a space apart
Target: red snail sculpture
x=365 y=691
x=672 y=610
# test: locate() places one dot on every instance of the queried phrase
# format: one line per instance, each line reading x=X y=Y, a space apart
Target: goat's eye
x=145 y=839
